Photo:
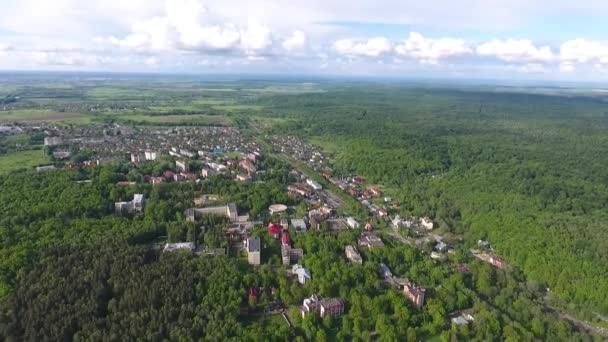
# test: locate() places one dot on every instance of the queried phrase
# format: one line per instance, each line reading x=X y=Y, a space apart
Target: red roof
x=274 y=229
x=285 y=238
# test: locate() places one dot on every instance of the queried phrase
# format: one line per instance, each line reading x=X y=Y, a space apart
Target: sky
x=561 y=40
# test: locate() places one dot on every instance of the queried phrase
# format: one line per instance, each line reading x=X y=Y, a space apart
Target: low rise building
x=314 y=185
x=415 y=294
x=353 y=255
x=290 y=255
x=136 y=205
x=45 y=168
x=62 y=154
x=427 y=223
x=151 y=155
x=351 y=222
x=302 y=273
x=299 y=225
x=182 y=166
x=253 y=247
x=371 y=241
x=438 y=256
x=53 y=141
x=137 y=157
x=179 y=246
x=247 y=165
x=331 y=306
x=299 y=189
x=497 y=261
x=385 y=272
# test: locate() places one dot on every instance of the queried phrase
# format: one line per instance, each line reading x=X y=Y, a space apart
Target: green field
x=43 y=115
x=119 y=93
x=21 y=160
x=237 y=108
x=201 y=119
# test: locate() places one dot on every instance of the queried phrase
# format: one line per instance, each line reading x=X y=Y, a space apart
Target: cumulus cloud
x=189 y=25
x=516 y=51
x=296 y=41
x=373 y=47
x=582 y=51
x=431 y=51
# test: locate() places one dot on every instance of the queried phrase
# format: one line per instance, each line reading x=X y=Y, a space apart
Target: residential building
x=302 y=273
x=314 y=185
x=371 y=241
x=497 y=261
x=290 y=255
x=62 y=154
x=274 y=230
x=426 y=223
x=182 y=166
x=437 y=256
x=441 y=246
x=137 y=204
x=332 y=307
x=184 y=246
x=137 y=158
x=396 y=221
x=385 y=272
x=253 y=247
x=463 y=319
x=207 y=173
x=351 y=222
x=415 y=294
x=353 y=255
x=151 y=155
x=53 y=141
x=158 y=180
x=299 y=189
x=187 y=153
x=247 y=165
x=243 y=177
x=299 y=225
x=45 y=168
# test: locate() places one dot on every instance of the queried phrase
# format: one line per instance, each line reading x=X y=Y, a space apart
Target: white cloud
x=151 y=61
x=296 y=41
x=189 y=25
x=530 y=68
x=566 y=67
x=431 y=51
x=256 y=37
x=584 y=51
x=516 y=51
x=373 y=47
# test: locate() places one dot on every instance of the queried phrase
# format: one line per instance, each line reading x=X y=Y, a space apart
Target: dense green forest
x=525 y=171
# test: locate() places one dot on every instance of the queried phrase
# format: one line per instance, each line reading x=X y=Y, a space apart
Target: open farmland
x=36 y=115
x=199 y=119
x=21 y=160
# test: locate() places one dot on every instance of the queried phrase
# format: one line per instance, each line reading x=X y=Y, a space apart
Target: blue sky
x=503 y=39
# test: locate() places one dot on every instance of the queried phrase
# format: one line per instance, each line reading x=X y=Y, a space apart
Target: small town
x=196 y=154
